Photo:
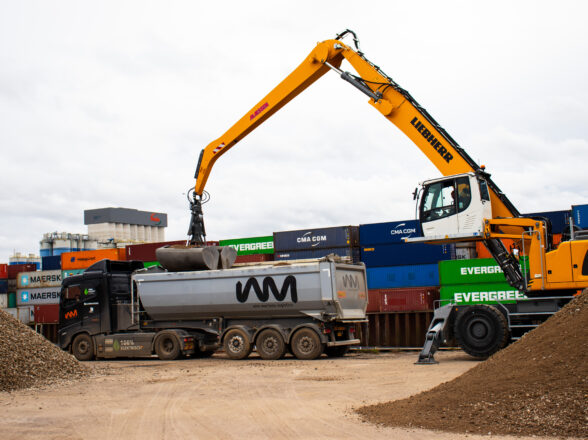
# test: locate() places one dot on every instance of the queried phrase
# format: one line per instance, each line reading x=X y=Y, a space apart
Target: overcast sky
x=109 y=104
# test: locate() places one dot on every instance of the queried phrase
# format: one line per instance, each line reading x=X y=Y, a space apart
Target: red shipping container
x=405 y=299
x=146 y=251
x=15 y=269
x=47 y=314
x=254 y=258
x=3 y=271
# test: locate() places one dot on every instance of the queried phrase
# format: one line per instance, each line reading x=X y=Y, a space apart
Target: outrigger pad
x=182 y=258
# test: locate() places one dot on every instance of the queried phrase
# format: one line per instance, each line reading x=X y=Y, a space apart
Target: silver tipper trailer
x=305 y=307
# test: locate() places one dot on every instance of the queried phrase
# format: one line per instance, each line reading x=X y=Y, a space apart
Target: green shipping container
x=487 y=293
x=70 y=272
x=251 y=245
x=11 y=300
x=474 y=271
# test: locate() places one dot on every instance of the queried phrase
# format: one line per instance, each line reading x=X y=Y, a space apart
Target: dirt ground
x=225 y=399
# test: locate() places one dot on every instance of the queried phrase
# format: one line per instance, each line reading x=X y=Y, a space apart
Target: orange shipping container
x=84 y=259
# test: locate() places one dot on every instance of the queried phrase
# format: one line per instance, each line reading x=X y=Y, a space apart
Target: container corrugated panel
x=51 y=263
x=84 y=259
x=15 y=269
x=3 y=286
x=403 y=276
x=3 y=300
x=42 y=295
x=254 y=258
x=251 y=245
x=40 y=278
x=487 y=293
x=405 y=299
x=146 y=251
x=12 y=299
x=580 y=214
x=26 y=314
x=352 y=253
x=47 y=314
x=402 y=254
x=388 y=232
x=320 y=238
x=3 y=271
x=474 y=271
x=559 y=219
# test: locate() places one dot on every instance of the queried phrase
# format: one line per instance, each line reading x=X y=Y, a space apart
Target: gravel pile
x=27 y=359
x=536 y=386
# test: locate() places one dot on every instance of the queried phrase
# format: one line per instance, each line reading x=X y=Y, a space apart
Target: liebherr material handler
x=464 y=205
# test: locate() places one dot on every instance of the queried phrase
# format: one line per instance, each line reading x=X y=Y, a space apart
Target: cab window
x=72 y=295
x=464 y=194
x=438 y=201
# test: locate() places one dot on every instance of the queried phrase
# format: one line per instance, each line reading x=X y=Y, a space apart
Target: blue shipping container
x=318 y=253
x=388 y=233
x=51 y=263
x=560 y=220
x=402 y=276
x=401 y=254
x=321 y=238
x=3 y=286
x=580 y=215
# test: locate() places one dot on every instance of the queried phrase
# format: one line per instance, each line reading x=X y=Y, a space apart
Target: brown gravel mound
x=27 y=359
x=536 y=386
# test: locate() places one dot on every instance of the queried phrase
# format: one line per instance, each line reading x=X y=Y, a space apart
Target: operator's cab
x=454 y=205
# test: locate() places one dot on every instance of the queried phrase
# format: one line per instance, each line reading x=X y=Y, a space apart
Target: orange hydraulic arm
x=396 y=104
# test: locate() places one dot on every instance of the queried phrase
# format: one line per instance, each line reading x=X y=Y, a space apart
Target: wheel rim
x=167 y=345
x=306 y=345
x=236 y=344
x=83 y=347
x=479 y=329
x=270 y=344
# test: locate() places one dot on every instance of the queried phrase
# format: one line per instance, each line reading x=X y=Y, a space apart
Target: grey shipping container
x=40 y=278
x=38 y=296
x=319 y=238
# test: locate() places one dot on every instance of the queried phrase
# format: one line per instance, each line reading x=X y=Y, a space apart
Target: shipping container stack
x=252 y=249
x=317 y=243
x=403 y=283
x=3 y=286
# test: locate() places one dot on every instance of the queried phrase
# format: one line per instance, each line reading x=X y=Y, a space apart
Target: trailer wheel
x=167 y=347
x=237 y=344
x=270 y=344
x=306 y=344
x=83 y=347
x=481 y=330
x=338 y=351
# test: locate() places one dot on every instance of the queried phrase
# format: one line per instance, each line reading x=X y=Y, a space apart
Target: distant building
x=125 y=225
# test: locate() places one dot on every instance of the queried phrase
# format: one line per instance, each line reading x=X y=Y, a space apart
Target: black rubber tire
x=167 y=347
x=270 y=344
x=237 y=344
x=336 y=352
x=481 y=330
x=306 y=344
x=83 y=347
